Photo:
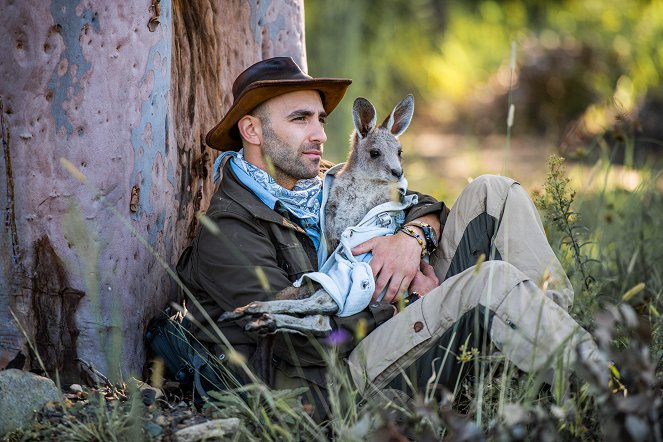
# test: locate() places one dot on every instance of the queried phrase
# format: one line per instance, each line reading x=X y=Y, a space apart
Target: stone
x=148 y=393
x=153 y=429
x=21 y=394
x=210 y=430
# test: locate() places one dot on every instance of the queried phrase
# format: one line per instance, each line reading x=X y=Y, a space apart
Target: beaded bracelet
x=429 y=235
x=410 y=232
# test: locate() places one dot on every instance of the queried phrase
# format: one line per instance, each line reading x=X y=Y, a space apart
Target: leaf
x=633 y=291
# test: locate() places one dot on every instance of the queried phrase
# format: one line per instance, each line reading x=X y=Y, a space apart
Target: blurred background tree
x=584 y=69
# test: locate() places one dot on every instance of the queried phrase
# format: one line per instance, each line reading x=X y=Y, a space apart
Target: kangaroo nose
x=397 y=172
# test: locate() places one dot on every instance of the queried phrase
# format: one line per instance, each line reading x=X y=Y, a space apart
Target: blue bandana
x=303 y=201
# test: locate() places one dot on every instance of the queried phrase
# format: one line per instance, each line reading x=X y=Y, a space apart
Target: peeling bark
x=54 y=306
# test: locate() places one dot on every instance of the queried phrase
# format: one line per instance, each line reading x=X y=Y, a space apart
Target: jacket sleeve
x=238 y=265
x=425 y=206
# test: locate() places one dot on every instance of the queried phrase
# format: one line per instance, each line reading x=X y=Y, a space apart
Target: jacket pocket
x=293 y=260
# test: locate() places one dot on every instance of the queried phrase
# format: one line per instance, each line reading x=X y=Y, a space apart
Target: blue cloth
x=302 y=202
x=349 y=279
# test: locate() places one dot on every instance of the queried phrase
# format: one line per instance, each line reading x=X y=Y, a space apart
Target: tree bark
x=128 y=107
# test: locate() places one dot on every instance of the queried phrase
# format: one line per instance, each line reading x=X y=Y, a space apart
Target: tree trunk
x=128 y=107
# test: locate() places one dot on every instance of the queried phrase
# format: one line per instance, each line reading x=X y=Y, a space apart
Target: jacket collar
x=242 y=195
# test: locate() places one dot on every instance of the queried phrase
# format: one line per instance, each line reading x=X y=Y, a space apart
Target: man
x=267 y=211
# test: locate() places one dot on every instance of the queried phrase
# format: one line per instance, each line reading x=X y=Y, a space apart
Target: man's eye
x=323 y=121
x=374 y=153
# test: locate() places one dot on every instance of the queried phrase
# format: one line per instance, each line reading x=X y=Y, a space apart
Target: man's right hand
x=395 y=263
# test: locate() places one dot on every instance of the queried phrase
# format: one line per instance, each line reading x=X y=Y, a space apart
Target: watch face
x=431 y=241
x=428 y=233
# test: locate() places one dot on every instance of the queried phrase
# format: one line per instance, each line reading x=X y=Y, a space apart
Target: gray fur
x=364 y=181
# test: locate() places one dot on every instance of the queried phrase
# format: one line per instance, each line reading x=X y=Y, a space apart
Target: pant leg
x=527 y=326
x=495 y=216
x=440 y=361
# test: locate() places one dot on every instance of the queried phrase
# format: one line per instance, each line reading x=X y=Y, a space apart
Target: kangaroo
x=372 y=175
x=373 y=172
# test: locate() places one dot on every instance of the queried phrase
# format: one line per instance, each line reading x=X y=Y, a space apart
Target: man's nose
x=319 y=135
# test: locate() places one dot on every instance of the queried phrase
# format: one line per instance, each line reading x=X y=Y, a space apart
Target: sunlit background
x=586 y=83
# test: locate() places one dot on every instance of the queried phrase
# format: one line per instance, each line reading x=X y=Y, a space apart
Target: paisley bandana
x=302 y=201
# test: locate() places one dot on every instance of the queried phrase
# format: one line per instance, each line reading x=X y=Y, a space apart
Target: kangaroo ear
x=399 y=119
x=363 y=114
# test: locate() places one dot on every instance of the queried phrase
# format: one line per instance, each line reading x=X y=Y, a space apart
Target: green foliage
x=114 y=421
x=627 y=230
x=267 y=415
x=576 y=59
x=626 y=234
x=380 y=44
x=608 y=243
x=556 y=204
x=95 y=419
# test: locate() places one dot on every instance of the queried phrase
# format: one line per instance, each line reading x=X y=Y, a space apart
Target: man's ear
x=250 y=128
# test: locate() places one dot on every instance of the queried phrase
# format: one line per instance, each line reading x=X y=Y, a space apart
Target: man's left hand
x=395 y=263
x=425 y=280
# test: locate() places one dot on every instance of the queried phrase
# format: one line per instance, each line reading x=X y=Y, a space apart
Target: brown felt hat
x=268 y=79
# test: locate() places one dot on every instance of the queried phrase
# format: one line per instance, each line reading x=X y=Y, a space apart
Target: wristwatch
x=429 y=235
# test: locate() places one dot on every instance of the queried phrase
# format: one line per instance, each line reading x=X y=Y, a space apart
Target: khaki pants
x=522 y=292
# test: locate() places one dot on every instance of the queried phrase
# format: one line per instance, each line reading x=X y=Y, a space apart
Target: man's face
x=293 y=135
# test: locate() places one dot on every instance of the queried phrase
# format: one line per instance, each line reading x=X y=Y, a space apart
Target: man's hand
x=395 y=263
x=425 y=279
x=396 y=259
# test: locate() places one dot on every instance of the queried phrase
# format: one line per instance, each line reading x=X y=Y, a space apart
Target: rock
x=149 y=396
x=211 y=430
x=21 y=394
x=76 y=388
x=148 y=392
x=153 y=429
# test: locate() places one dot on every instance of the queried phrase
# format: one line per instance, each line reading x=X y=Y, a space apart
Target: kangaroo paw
x=252 y=309
x=320 y=303
x=263 y=325
x=317 y=325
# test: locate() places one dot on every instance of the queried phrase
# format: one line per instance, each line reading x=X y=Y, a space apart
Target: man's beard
x=287 y=161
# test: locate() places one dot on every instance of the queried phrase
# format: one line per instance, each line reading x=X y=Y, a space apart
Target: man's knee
x=491 y=183
x=490 y=268
x=485 y=193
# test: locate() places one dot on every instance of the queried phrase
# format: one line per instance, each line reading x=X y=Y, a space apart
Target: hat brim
x=225 y=135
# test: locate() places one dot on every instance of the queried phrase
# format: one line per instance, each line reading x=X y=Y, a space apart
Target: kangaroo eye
x=374 y=153
x=400 y=152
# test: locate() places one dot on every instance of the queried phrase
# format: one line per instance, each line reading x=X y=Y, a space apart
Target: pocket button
x=418 y=326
